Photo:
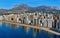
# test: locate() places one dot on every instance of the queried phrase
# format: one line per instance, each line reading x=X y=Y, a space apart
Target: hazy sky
x=7 y=4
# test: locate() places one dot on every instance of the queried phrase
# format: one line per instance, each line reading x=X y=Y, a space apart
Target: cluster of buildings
x=37 y=19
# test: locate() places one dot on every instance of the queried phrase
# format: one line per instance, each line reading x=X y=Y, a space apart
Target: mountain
x=34 y=9
x=20 y=8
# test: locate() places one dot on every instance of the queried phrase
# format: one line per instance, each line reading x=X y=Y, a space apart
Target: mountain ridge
x=27 y=8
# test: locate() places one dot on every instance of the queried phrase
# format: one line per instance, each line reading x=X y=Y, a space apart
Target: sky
x=8 y=4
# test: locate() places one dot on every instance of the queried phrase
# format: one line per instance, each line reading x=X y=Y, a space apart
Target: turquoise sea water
x=8 y=31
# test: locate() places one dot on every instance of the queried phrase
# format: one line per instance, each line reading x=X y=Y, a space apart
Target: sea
x=16 y=31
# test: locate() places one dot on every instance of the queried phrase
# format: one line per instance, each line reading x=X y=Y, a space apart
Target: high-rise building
x=49 y=23
x=50 y=20
x=59 y=23
x=54 y=21
x=35 y=19
x=40 y=22
x=44 y=23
